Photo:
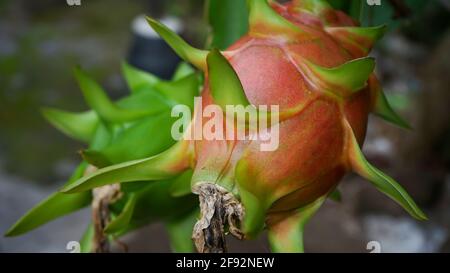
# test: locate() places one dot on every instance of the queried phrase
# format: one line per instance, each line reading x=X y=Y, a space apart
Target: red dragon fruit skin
x=312 y=62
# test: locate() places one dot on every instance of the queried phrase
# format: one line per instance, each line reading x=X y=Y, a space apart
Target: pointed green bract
x=80 y=126
x=137 y=79
x=123 y=219
x=263 y=21
x=287 y=235
x=147 y=137
x=381 y=181
x=95 y=158
x=255 y=213
x=383 y=109
x=133 y=187
x=86 y=239
x=256 y=205
x=163 y=95
x=224 y=83
x=188 y=53
x=361 y=37
x=181 y=91
x=347 y=78
x=372 y=34
x=313 y=6
x=99 y=101
x=132 y=171
x=102 y=137
x=54 y=206
x=163 y=166
x=182 y=70
x=149 y=99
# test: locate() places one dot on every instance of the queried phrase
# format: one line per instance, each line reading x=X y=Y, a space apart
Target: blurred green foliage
x=228 y=20
x=39 y=47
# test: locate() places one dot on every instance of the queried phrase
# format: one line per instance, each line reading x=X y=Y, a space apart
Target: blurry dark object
x=401 y=9
x=157 y=7
x=445 y=3
x=149 y=52
x=435 y=14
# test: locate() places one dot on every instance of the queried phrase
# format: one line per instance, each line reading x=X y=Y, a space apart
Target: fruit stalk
x=219 y=209
x=102 y=197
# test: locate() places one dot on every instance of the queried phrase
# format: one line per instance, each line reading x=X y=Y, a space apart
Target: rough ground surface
x=16 y=197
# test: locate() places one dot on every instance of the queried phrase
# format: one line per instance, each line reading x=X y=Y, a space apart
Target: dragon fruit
x=311 y=61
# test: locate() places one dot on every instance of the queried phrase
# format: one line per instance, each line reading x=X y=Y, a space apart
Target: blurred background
x=41 y=42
